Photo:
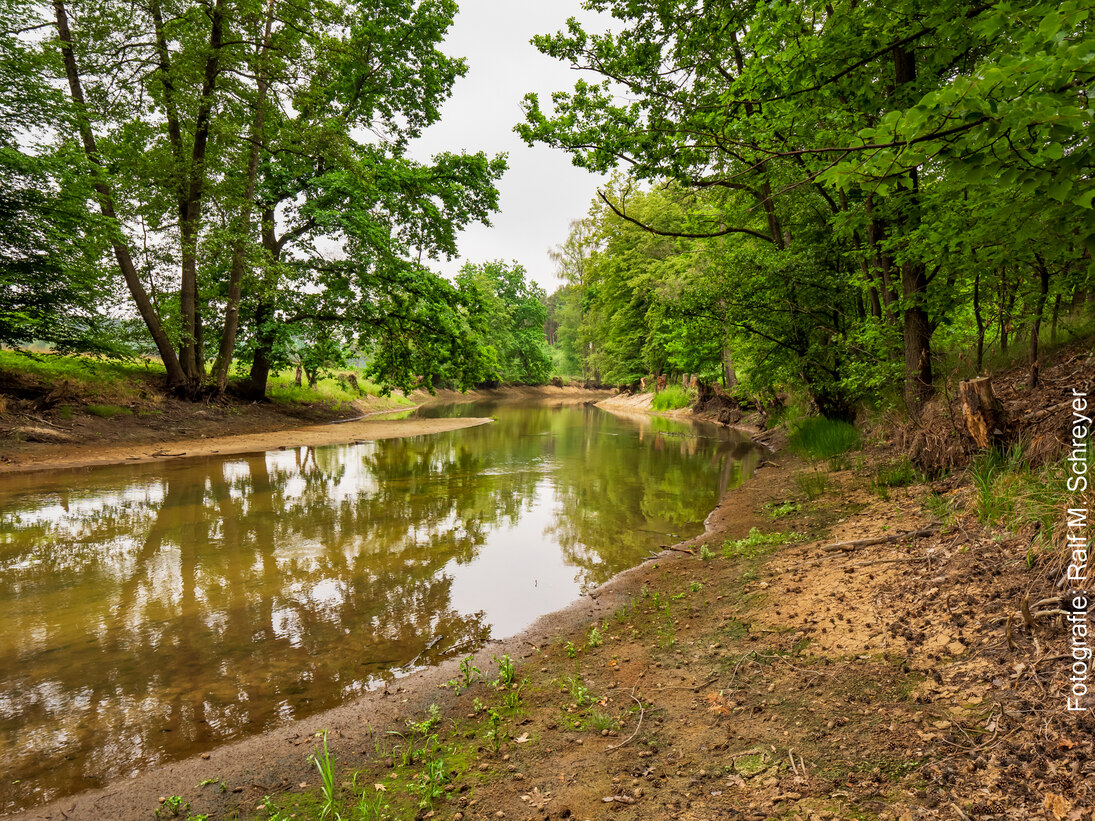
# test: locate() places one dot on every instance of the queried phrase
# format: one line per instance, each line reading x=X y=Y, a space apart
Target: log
x=846 y=547
x=984 y=414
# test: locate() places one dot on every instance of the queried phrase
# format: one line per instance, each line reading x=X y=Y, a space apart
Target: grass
x=672 y=398
x=895 y=474
x=108 y=411
x=333 y=390
x=819 y=438
x=1008 y=492
x=812 y=483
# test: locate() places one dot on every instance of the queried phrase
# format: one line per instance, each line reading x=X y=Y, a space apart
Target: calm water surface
x=153 y=611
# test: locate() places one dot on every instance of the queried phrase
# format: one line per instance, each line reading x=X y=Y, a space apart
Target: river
x=153 y=611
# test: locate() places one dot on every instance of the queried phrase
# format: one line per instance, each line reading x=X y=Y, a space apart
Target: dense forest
x=845 y=197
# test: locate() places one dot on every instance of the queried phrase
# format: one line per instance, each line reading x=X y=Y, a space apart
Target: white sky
x=542 y=191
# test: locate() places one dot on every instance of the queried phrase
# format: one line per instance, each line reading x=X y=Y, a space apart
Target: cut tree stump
x=986 y=419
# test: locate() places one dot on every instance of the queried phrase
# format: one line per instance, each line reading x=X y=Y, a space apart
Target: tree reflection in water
x=151 y=611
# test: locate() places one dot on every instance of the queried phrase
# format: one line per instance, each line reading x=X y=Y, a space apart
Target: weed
x=575 y=685
x=656 y=600
x=371 y=806
x=622 y=614
x=705 y=553
x=496 y=733
x=325 y=766
x=477 y=706
x=811 y=483
x=780 y=510
x=571 y=650
x=506 y=672
x=896 y=474
x=602 y=721
x=595 y=637
x=671 y=398
x=695 y=587
x=430 y=783
x=424 y=727
x=755 y=543
x=512 y=699
x=819 y=438
x=469 y=671
x=173 y=806
x=644 y=591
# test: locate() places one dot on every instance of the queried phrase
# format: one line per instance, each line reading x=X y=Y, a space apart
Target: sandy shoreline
x=67 y=457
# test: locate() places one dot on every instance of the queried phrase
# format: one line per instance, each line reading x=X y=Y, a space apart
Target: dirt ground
x=728 y=677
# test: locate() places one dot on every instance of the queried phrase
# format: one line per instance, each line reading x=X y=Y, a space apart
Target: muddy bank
x=55 y=457
x=48 y=441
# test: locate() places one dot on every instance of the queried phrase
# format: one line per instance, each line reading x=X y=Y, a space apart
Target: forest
x=847 y=198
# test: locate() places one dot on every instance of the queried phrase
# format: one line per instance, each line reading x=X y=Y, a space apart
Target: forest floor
x=754 y=672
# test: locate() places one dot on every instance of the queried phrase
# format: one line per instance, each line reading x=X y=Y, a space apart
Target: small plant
x=173 y=806
x=896 y=474
x=602 y=721
x=644 y=591
x=695 y=587
x=506 y=672
x=109 y=412
x=656 y=600
x=512 y=698
x=705 y=553
x=430 y=783
x=780 y=510
x=595 y=637
x=755 y=543
x=478 y=706
x=371 y=806
x=812 y=483
x=575 y=685
x=325 y=767
x=622 y=614
x=496 y=733
x=469 y=671
x=571 y=650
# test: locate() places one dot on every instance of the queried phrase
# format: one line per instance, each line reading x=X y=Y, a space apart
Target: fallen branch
x=893 y=537
x=642 y=711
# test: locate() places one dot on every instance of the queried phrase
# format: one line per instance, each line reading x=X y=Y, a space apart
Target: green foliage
x=819 y=438
x=756 y=543
x=672 y=398
x=321 y=760
x=172 y=807
x=506 y=672
x=508 y=315
x=596 y=639
x=812 y=483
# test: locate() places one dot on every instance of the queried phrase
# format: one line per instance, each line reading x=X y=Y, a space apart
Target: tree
x=810 y=119
x=508 y=314
x=231 y=135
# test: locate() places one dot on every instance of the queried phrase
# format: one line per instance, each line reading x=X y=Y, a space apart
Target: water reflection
x=154 y=610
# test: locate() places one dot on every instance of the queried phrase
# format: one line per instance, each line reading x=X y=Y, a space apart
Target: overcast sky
x=542 y=191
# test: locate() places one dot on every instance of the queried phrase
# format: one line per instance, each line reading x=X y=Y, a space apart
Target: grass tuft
x=672 y=398
x=819 y=438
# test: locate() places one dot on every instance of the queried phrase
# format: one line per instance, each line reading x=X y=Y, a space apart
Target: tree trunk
x=919 y=385
x=190 y=224
x=243 y=229
x=105 y=195
x=1056 y=316
x=980 y=320
x=1036 y=326
x=985 y=417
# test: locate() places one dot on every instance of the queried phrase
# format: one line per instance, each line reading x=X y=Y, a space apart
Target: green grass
x=812 y=483
x=895 y=474
x=819 y=438
x=99 y=378
x=108 y=411
x=330 y=389
x=672 y=398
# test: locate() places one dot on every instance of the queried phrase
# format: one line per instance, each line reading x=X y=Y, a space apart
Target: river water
x=152 y=611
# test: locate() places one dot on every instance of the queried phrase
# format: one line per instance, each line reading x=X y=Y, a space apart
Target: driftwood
x=984 y=414
x=847 y=547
